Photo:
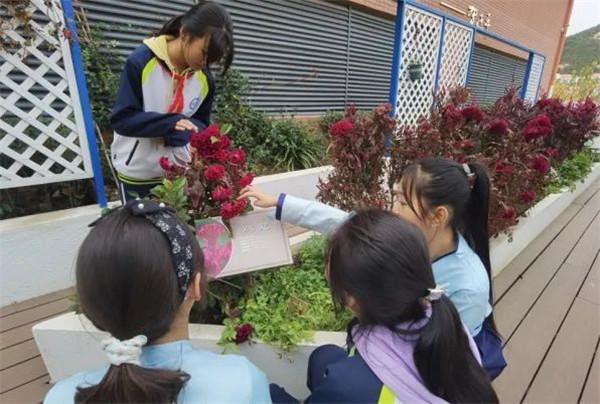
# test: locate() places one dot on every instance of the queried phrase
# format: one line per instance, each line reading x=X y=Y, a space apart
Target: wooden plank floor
x=547 y=309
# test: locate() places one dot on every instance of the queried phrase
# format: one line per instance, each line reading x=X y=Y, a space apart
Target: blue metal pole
x=396 y=66
x=85 y=101
x=438 y=68
x=470 y=57
x=526 y=78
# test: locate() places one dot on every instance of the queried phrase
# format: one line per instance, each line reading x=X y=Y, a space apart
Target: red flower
x=552 y=152
x=453 y=116
x=553 y=105
x=538 y=126
x=503 y=168
x=528 y=197
x=541 y=163
x=228 y=210
x=241 y=205
x=209 y=141
x=341 y=128
x=243 y=333
x=222 y=156
x=472 y=113
x=498 y=127
x=237 y=157
x=246 y=180
x=165 y=164
x=214 y=172
x=509 y=213
x=221 y=193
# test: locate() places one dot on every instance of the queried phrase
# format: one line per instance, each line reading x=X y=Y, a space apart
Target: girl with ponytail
x=166 y=93
x=407 y=343
x=449 y=202
x=138 y=274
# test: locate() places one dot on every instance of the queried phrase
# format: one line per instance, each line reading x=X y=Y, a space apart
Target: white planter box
x=61 y=339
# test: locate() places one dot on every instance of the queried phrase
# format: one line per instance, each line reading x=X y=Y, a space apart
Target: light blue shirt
x=462 y=273
x=213 y=378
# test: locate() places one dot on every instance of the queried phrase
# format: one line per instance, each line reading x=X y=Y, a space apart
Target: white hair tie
x=435 y=293
x=127 y=351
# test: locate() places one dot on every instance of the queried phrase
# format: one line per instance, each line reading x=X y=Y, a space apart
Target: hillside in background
x=581 y=49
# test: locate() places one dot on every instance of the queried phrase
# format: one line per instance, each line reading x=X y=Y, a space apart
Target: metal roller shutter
x=491 y=73
x=302 y=57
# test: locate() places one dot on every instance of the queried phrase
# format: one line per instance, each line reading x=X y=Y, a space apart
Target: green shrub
x=574 y=169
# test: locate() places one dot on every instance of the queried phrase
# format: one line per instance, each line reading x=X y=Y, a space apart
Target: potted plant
x=415 y=70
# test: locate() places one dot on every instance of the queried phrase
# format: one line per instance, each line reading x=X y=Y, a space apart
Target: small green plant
x=173 y=194
x=285 y=305
x=273 y=145
x=572 y=170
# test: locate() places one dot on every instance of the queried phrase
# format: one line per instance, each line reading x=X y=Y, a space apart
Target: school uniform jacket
x=150 y=101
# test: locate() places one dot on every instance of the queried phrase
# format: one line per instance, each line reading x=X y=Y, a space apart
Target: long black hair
x=382 y=261
x=206 y=19
x=435 y=182
x=128 y=286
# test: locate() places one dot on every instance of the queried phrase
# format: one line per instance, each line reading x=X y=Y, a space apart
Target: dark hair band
x=165 y=220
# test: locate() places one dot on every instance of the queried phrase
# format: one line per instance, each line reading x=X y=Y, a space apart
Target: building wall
x=537 y=24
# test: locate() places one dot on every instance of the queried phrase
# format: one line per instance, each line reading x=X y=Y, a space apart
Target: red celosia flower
x=222 y=156
x=243 y=333
x=246 y=180
x=509 y=213
x=538 y=126
x=452 y=116
x=228 y=210
x=552 y=152
x=209 y=141
x=237 y=157
x=241 y=205
x=498 y=127
x=164 y=163
x=504 y=168
x=541 y=163
x=341 y=128
x=528 y=197
x=221 y=193
x=214 y=172
x=473 y=113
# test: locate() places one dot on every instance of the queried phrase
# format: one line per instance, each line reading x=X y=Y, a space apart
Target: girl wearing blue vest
x=407 y=343
x=143 y=300
x=449 y=203
x=166 y=92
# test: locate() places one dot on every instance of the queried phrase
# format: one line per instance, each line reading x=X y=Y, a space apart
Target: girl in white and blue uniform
x=143 y=300
x=449 y=203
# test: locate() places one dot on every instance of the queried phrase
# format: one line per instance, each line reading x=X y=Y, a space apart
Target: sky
x=586 y=14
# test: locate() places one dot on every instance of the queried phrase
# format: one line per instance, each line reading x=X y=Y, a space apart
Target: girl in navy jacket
x=166 y=92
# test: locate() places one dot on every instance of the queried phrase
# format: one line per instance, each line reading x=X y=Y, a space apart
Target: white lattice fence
x=420 y=43
x=42 y=132
x=534 y=78
x=456 y=52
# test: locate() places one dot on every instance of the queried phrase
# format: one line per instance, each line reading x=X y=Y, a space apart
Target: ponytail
x=475 y=220
x=128 y=383
x=171 y=27
x=445 y=361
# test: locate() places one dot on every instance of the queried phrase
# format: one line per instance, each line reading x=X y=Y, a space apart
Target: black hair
x=435 y=182
x=127 y=291
x=210 y=19
x=382 y=261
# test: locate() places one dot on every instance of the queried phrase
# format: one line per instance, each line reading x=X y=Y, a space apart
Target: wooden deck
x=547 y=309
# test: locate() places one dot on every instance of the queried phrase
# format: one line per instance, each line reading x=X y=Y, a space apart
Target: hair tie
x=471 y=176
x=126 y=351
x=165 y=220
x=435 y=293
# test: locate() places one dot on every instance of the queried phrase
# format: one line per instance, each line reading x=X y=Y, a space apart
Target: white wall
x=37 y=252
